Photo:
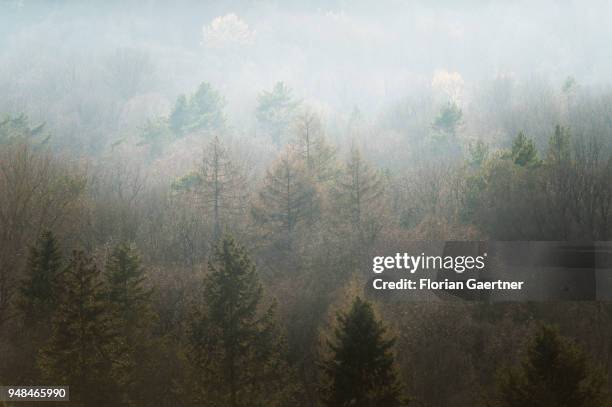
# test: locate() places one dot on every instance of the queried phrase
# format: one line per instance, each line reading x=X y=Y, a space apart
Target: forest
x=184 y=222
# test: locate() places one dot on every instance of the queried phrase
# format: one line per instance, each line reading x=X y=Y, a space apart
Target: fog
x=192 y=194
x=334 y=55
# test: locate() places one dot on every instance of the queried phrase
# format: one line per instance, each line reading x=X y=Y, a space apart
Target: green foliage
x=124 y=285
x=474 y=186
x=17 y=129
x=156 y=134
x=130 y=317
x=275 y=111
x=77 y=351
x=202 y=112
x=39 y=290
x=449 y=119
x=235 y=350
x=569 y=85
x=478 y=153
x=188 y=182
x=443 y=140
x=523 y=152
x=180 y=115
x=559 y=146
x=555 y=372
x=361 y=369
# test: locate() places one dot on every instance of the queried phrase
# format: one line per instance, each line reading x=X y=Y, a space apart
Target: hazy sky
x=336 y=53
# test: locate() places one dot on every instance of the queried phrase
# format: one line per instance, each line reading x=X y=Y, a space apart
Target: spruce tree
x=555 y=372
x=37 y=303
x=130 y=317
x=77 y=351
x=360 y=371
x=235 y=350
x=39 y=290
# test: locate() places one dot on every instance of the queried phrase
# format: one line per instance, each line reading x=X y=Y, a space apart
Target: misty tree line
x=154 y=269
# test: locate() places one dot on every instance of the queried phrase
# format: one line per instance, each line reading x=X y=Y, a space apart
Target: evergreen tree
x=360 y=370
x=448 y=120
x=156 y=135
x=287 y=199
x=275 y=111
x=559 y=147
x=555 y=372
x=37 y=303
x=17 y=129
x=202 y=112
x=359 y=193
x=125 y=284
x=39 y=290
x=205 y=109
x=77 y=351
x=478 y=154
x=523 y=152
x=235 y=350
x=129 y=318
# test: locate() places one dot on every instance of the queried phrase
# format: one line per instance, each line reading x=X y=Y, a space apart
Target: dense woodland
x=236 y=282
x=164 y=242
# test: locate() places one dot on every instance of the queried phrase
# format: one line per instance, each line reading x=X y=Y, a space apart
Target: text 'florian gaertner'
x=457 y=264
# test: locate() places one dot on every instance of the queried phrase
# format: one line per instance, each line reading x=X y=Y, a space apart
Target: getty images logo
x=412 y=263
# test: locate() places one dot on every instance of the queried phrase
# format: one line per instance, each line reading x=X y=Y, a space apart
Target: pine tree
x=203 y=111
x=275 y=111
x=235 y=350
x=555 y=372
x=77 y=351
x=359 y=193
x=129 y=318
x=448 y=120
x=206 y=109
x=523 y=152
x=360 y=371
x=286 y=200
x=39 y=290
x=37 y=303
